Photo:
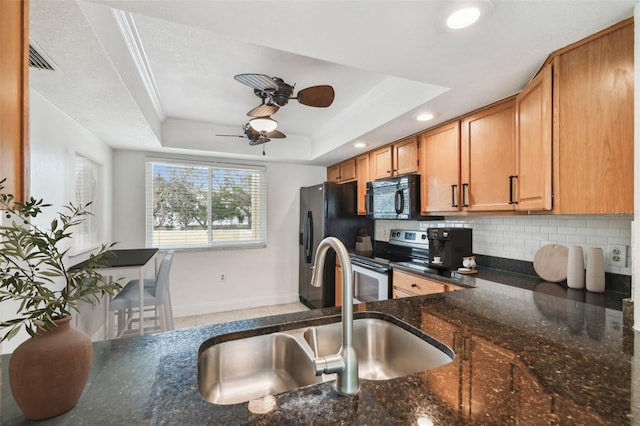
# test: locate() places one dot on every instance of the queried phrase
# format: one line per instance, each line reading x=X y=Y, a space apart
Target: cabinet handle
x=511 y=179
x=453 y=195
x=388 y=172
x=414 y=285
x=465 y=187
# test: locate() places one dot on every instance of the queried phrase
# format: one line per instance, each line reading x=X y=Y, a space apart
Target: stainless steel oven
x=371 y=273
x=370 y=283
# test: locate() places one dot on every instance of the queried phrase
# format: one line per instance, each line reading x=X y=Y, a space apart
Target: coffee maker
x=447 y=247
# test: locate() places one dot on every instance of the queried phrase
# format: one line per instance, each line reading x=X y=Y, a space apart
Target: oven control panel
x=416 y=238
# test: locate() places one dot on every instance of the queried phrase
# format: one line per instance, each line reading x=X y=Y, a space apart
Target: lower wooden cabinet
x=406 y=284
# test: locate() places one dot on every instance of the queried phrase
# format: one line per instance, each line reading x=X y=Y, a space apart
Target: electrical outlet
x=385 y=232
x=617 y=255
x=222 y=278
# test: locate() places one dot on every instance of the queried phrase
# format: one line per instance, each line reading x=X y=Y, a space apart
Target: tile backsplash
x=519 y=237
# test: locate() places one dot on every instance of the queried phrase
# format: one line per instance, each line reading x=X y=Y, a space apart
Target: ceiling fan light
x=263 y=124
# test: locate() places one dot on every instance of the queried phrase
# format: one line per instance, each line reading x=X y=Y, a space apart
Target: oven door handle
x=378 y=269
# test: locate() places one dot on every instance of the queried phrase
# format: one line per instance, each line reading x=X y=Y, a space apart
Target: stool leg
x=169 y=311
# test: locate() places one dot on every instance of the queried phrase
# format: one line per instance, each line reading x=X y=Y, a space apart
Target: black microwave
x=394 y=198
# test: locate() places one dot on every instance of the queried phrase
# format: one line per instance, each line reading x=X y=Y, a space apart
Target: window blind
x=200 y=205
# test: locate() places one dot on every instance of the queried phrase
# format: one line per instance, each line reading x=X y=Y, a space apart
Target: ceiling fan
x=258 y=138
x=275 y=93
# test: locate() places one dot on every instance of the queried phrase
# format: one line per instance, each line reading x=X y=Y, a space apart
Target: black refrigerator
x=326 y=210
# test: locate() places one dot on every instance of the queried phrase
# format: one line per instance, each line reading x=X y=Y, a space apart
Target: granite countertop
x=522 y=357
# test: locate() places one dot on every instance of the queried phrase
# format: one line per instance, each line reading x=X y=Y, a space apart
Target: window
x=86 y=235
x=200 y=205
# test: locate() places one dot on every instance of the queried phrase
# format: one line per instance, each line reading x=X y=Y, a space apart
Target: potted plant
x=47 y=372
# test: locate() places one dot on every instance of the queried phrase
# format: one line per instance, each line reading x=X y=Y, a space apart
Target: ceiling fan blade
x=263 y=110
x=276 y=134
x=257 y=81
x=233 y=136
x=316 y=96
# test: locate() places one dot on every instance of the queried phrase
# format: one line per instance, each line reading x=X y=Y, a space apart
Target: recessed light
x=425 y=117
x=360 y=145
x=462 y=18
x=460 y=14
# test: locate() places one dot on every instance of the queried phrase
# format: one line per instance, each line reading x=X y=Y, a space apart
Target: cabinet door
x=488 y=158
x=440 y=169
x=333 y=173
x=405 y=156
x=14 y=51
x=348 y=170
x=593 y=131
x=362 y=175
x=533 y=144
x=381 y=163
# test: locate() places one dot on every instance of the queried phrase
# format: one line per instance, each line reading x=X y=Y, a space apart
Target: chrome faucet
x=345 y=362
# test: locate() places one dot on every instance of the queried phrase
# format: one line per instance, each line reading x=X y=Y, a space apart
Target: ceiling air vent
x=37 y=60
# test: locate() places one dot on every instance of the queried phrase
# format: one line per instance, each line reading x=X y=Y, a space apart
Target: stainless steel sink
x=384 y=350
x=243 y=369
x=250 y=368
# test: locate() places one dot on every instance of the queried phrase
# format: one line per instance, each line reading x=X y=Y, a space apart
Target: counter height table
x=124 y=262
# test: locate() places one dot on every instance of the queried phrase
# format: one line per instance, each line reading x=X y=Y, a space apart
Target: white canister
x=575 y=267
x=595 y=270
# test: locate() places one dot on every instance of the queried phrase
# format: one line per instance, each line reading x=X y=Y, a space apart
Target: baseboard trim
x=230 y=305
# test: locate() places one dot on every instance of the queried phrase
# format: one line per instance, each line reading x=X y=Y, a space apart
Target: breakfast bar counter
x=522 y=357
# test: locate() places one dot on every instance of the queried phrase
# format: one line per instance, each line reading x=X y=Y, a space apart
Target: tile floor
x=219 y=317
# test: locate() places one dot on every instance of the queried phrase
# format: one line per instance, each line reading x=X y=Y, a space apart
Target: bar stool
x=126 y=304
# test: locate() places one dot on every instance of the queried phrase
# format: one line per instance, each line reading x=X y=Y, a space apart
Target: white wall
x=254 y=277
x=519 y=237
x=54 y=138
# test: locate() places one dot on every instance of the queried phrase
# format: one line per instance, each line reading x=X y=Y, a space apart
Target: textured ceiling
x=158 y=75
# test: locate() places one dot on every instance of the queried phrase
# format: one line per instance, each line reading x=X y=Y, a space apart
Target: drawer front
x=416 y=285
x=453 y=287
x=399 y=294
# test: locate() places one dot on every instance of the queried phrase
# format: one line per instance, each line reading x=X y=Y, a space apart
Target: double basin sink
x=269 y=363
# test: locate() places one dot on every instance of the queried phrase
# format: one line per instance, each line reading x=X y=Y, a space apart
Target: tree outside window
x=195 y=205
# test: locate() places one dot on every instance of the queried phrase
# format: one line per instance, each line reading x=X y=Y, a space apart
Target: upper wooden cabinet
x=362 y=176
x=564 y=144
x=381 y=163
x=593 y=127
x=534 y=144
x=440 y=169
x=405 y=156
x=487 y=160
x=14 y=53
x=342 y=172
x=400 y=158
